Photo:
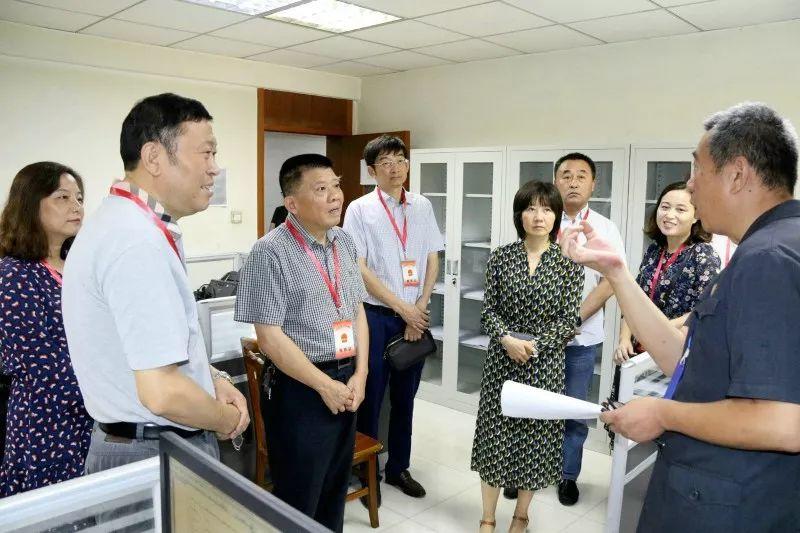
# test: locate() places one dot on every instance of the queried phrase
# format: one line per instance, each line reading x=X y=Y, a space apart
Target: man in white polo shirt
x=575 y=177
x=129 y=312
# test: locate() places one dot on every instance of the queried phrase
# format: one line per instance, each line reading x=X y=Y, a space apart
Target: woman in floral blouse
x=676 y=267
x=48 y=428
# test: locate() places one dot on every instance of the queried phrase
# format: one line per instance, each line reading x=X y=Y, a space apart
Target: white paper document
x=522 y=401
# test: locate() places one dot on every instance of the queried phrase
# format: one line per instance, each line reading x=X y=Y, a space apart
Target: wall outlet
x=236 y=217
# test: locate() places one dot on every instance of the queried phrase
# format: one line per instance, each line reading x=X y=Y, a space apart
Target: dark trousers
x=579 y=368
x=310 y=449
x=402 y=389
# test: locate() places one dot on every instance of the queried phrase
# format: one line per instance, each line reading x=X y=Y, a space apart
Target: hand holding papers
x=521 y=401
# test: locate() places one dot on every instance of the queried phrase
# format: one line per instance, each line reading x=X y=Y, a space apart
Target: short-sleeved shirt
x=128 y=306
x=745 y=343
x=368 y=224
x=682 y=283
x=592 y=331
x=280 y=285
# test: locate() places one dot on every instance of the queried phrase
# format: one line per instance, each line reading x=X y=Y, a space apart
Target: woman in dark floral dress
x=534 y=292
x=676 y=267
x=47 y=427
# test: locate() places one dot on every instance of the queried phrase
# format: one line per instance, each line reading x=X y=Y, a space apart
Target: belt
x=381 y=309
x=334 y=364
x=128 y=430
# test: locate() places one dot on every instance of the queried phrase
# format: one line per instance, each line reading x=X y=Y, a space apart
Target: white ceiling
x=429 y=32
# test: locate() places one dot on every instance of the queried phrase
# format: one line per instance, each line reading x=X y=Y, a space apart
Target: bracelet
x=223 y=375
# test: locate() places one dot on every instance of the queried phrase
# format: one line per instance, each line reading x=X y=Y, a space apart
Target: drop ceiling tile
x=341 y=47
x=736 y=13
x=543 y=39
x=574 y=10
x=469 y=50
x=407 y=34
x=404 y=60
x=293 y=58
x=140 y=33
x=634 y=26
x=45 y=17
x=670 y=3
x=414 y=8
x=352 y=68
x=180 y=15
x=92 y=7
x=486 y=19
x=270 y=32
x=217 y=45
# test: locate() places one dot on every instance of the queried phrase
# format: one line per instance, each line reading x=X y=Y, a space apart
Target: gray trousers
x=107 y=451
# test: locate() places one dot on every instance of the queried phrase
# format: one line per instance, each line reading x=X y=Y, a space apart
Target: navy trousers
x=402 y=389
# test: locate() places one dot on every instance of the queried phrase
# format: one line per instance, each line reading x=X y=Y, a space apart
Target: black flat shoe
x=365 y=499
x=510 y=493
x=568 y=492
x=407 y=484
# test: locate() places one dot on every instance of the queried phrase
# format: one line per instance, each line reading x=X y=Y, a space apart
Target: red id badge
x=410 y=274
x=344 y=339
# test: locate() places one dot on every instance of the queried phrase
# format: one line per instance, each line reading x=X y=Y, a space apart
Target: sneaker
x=407 y=484
x=509 y=493
x=568 y=492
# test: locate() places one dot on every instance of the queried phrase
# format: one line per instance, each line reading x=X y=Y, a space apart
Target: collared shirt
x=157 y=208
x=592 y=329
x=127 y=306
x=369 y=225
x=279 y=285
x=745 y=343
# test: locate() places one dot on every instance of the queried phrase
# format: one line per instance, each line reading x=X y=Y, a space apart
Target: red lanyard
x=334 y=289
x=662 y=267
x=558 y=238
x=144 y=207
x=402 y=236
x=53 y=272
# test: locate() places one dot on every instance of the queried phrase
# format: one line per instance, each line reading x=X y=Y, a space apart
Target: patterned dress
x=683 y=282
x=48 y=428
x=516 y=452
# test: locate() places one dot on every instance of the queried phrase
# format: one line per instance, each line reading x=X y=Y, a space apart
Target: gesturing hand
x=595 y=253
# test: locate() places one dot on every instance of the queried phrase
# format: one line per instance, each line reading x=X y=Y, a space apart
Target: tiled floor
x=440 y=461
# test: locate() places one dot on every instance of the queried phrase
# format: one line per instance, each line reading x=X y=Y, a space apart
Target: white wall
x=71 y=111
x=654 y=90
x=278 y=147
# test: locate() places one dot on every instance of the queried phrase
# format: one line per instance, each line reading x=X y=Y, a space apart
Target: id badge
x=410 y=274
x=344 y=339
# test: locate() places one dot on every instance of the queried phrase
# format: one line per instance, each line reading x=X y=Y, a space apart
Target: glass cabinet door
x=430 y=174
x=479 y=175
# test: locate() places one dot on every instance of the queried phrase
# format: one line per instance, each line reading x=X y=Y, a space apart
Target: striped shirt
x=279 y=285
x=369 y=225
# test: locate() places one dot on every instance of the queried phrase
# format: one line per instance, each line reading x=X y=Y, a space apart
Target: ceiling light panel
x=248 y=7
x=332 y=15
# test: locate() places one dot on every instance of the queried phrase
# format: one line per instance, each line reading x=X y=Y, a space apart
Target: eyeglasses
x=386 y=165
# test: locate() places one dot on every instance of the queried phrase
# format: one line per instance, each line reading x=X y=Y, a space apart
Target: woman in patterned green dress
x=531 y=289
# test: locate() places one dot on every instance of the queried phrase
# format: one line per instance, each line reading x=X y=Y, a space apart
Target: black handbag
x=218 y=288
x=402 y=354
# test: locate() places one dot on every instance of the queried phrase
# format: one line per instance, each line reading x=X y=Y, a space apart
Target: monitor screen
x=199 y=494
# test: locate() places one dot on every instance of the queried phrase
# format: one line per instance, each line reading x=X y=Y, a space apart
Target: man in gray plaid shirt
x=302 y=289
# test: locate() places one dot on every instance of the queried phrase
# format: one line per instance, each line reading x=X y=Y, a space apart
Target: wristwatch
x=221 y=374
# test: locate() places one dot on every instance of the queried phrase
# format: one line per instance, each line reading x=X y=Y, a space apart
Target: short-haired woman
x=676 y=267
x=48 y=428
x=530 y=312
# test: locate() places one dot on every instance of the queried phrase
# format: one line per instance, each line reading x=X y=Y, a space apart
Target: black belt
x=381 y=309
x=334 y=364
x=128 y=430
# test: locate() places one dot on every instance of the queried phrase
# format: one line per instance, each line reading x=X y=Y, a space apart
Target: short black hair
x=651 y=229
x=292 y=170
x=576 y=156
x=760 y=135
x=157 y=119
x=385 y=144
x=538 y=192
